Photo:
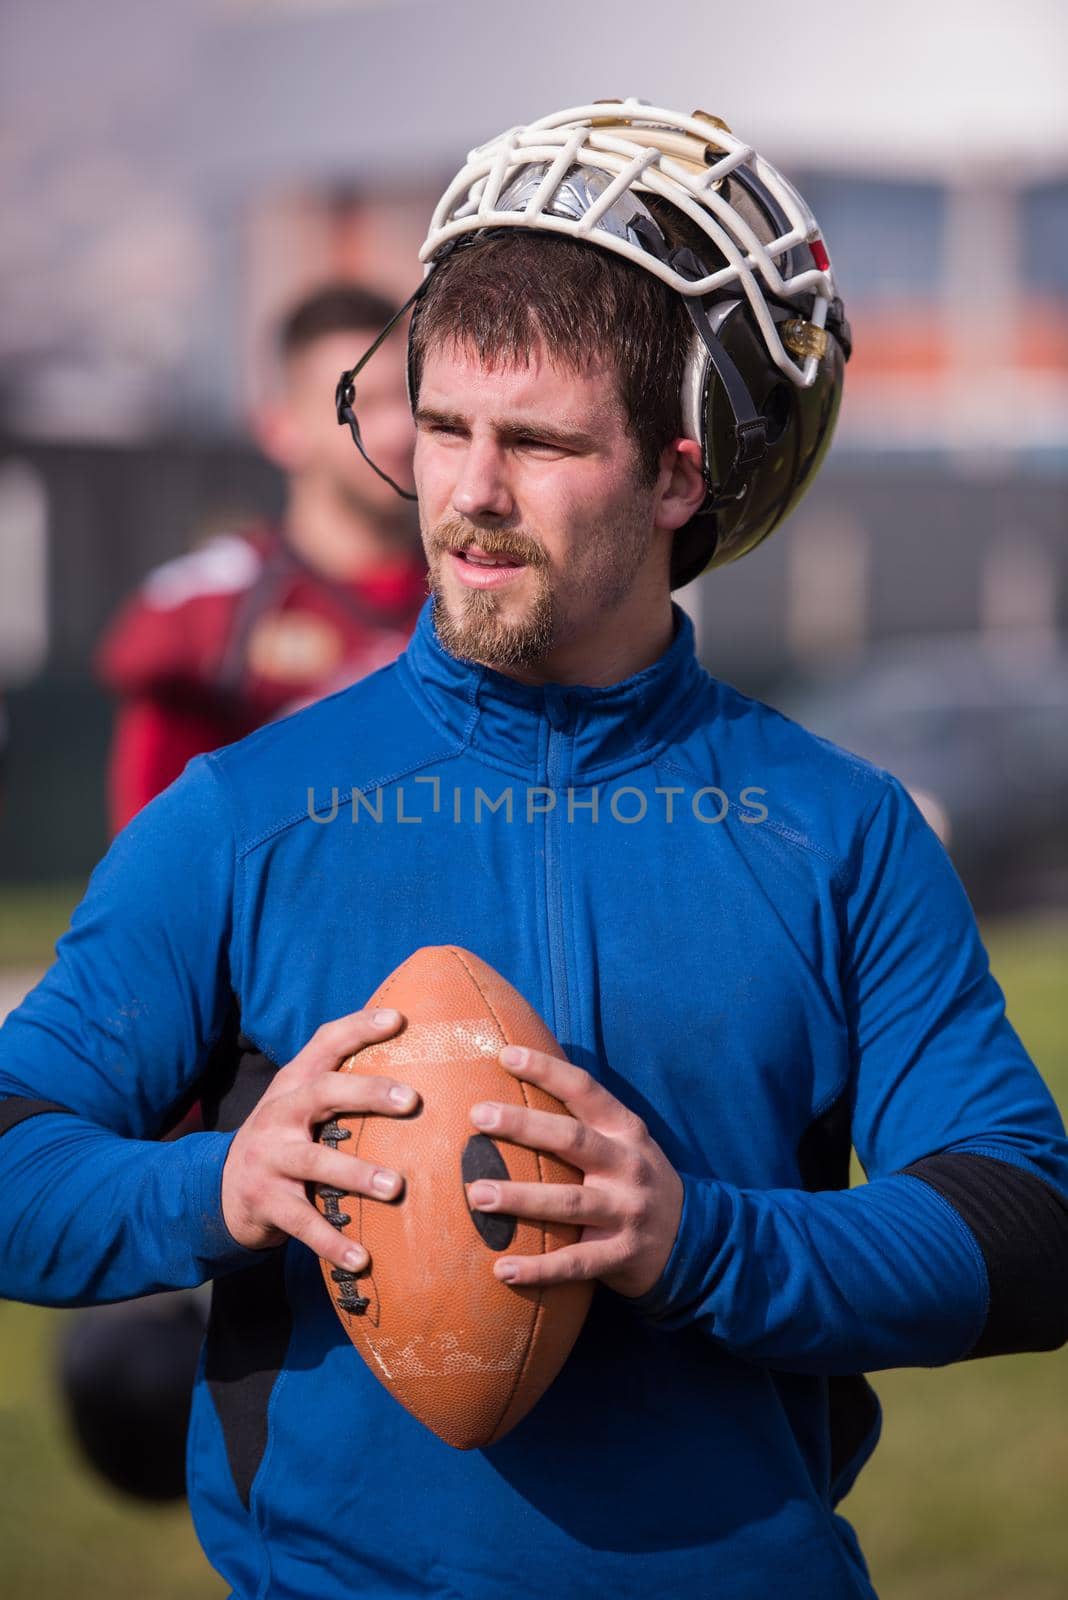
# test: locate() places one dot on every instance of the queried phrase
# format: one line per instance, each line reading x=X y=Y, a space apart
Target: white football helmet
x=763 y=379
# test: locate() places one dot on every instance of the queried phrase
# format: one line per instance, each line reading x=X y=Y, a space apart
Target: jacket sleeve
x=957 y=1245
x=100 y=1054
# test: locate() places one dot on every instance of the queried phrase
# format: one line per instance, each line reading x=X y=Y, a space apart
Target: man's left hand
x=628 y=1204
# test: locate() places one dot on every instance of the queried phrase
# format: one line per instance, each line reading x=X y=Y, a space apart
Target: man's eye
x=538 y=444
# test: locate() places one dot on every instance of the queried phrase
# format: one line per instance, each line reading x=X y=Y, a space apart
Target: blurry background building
x=170 y=178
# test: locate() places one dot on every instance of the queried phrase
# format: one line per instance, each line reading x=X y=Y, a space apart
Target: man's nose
x=481 y=488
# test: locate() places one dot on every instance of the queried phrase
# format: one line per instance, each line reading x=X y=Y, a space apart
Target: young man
x=258 y=621
x=750 y=946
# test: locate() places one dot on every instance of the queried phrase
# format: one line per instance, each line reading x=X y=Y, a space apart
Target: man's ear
x=277 y=433
x=680 y=488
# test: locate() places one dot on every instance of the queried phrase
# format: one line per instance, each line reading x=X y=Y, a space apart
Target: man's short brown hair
x=503 y=295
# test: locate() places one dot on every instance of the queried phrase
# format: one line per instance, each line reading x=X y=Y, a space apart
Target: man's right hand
x=274 y=1153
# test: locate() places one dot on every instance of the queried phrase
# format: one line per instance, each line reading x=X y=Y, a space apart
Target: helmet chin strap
x=750 y=428
x=345 y=393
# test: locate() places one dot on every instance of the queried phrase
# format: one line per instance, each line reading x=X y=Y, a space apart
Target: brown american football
x=465 y=1353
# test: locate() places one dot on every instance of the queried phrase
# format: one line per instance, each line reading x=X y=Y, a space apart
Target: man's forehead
x=456 y=377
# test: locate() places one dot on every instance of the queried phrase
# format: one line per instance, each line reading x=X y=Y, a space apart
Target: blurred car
x=977 y=729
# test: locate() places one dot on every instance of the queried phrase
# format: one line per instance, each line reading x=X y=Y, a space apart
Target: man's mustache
x=456 y=535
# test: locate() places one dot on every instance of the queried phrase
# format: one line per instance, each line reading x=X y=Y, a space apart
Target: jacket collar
x=557 y=733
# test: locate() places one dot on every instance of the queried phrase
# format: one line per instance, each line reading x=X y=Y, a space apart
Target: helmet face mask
x=685 y=199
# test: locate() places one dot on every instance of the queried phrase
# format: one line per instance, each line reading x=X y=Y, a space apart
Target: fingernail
x=507 y=1272
x=401 y=1095
x=384 y=1182
x=512 y=1055
x=383 y=1019
x=354 y=1259
x=484 y=1115
x=482 y=1194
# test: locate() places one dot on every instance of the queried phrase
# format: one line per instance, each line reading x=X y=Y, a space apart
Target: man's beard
x=481 y=632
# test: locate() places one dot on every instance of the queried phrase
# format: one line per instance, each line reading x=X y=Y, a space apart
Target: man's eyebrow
x=510 y=429
x=450 y=419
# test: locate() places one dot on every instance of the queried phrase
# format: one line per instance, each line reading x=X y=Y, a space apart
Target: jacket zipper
x=554 y=888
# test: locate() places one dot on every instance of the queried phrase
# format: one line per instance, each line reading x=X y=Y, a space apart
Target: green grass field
x=964 y=1500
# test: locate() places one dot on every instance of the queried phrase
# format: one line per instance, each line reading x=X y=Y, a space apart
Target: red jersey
x=223 y=639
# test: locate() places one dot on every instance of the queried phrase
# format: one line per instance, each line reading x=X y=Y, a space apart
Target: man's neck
x=338 y=539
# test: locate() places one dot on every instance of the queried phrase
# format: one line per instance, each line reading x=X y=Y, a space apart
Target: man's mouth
x=482 y=569
x=480 y=558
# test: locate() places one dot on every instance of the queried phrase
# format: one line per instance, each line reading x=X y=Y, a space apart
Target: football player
x=625 y=361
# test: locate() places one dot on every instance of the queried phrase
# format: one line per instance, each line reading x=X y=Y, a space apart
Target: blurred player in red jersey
x=246 y=627
x=255 y=623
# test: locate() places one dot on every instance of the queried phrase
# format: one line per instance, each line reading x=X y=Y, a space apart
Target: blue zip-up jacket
x=751 y=937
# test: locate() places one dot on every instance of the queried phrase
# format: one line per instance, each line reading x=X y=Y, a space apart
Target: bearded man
x=625 y=363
